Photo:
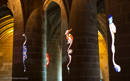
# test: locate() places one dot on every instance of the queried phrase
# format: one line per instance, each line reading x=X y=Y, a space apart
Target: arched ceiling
x=102 y=23
x=6 y=23
x=4 y=10
x=6 y=27
x=53 y=22
x=3 y=2
x=101 y=6
x=101 y=16
x=54 y=15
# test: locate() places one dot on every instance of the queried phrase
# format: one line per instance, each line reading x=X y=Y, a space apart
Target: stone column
x=17 y=65
x=54 y=70
x=35 y=31
x=85 y=56
x=120 y=11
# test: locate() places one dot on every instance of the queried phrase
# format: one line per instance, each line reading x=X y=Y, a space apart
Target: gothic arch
x=6 y=41
x=47 y=2
x=61 y=4
x=16 y=7
x=53 y=20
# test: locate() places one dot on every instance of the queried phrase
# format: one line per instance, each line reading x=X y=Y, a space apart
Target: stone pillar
x=120 y=11
x=54 y=70
x=17 y=65
x=85 y=56
x=35 y=31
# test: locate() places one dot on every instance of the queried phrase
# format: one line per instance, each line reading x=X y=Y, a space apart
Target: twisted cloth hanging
x=24 y=52
x=69 y=37
x=112 y=28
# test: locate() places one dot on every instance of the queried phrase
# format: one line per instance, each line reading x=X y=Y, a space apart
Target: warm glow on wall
x=103 y=57
x=5 y=17
x=6 y=27
x=6 y=45
x=11 y=20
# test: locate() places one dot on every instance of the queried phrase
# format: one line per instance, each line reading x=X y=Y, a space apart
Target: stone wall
x=119 y=9
x=6 y=52
x=85 y=56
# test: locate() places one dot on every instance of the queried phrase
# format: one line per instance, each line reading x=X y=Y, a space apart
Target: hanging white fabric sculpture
x=112 y=28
